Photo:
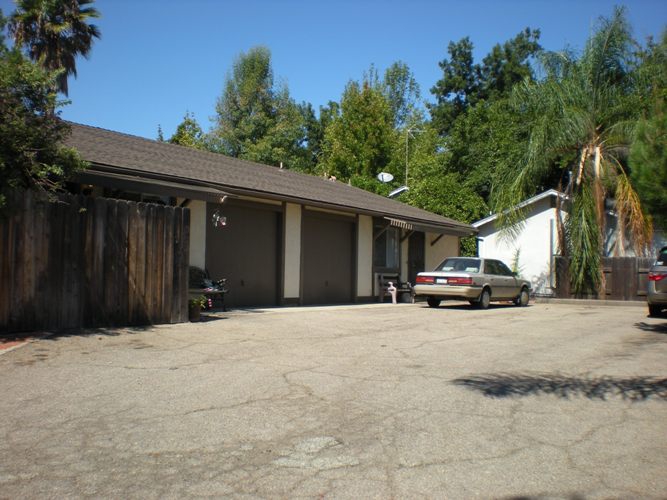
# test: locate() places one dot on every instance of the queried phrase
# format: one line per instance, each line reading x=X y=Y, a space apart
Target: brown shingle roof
x=121 y=153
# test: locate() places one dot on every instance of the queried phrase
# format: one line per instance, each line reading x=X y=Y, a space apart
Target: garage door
x=246 y=252
x=327 y=258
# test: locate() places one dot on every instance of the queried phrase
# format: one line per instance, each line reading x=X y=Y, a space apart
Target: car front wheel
x=523 y=298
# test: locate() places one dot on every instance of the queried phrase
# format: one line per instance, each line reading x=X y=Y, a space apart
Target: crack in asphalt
x=351 y=405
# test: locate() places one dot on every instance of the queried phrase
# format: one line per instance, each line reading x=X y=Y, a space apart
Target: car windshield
x=662 y=257
x=463 y=264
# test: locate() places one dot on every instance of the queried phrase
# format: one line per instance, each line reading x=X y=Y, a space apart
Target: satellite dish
x=385 y=177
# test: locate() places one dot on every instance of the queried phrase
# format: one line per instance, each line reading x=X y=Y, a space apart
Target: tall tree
x=508 y=64
x=458 y=87
x=3 y=24
x=257 y=120
x=367 y=132
x=648 y=156
x=486 y=142
x=54 y=33
x=31 y=135
x=402 y=92
x=315 y=129
x=435 y=188
x=358 y=142
x=581 y=117
x=189 y=133
x=246 y=108
x=465 y=83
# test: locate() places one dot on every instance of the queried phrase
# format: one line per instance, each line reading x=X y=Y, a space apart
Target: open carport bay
x=378 y=401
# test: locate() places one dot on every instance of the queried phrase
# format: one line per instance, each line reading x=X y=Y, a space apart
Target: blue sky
x=158 y=59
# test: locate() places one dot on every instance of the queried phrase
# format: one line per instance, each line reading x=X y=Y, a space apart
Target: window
x=468 y=265
x=496 y=267
x=662 y=257
x=386 y=249
x=490 y=267
x=503 y=269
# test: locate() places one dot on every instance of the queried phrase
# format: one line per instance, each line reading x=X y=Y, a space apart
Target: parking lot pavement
x=378 y=401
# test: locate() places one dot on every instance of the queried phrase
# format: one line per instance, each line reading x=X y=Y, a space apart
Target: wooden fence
x=92 y=262
x=626 y=278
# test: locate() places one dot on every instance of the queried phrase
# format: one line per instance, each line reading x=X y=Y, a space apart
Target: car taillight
x=425 y=280
x=459 y=281
x=657 y=276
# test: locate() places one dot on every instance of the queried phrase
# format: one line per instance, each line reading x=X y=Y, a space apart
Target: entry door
x=416 y=259
x=327 y=258
x=246 y=251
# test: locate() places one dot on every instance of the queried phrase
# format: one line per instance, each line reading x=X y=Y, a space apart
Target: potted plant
x=195 y=306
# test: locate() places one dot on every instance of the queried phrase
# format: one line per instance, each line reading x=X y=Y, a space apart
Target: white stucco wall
x=447 y=246
x=292 y=250
x=197 y=233
x=536 y=243
x=365 y=256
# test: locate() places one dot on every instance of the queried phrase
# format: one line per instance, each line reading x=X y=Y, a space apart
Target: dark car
x=657 y=285
x=477 y=280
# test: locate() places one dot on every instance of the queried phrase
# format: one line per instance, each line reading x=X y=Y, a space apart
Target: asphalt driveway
x=379 y=401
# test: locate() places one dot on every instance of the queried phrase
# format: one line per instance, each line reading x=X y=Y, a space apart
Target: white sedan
x=474 y=279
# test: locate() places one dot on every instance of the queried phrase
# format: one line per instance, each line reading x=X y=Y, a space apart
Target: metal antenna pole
x=407 y=138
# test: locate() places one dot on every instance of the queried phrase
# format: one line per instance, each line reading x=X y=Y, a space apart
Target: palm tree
x=54 y=33
x=581 y=116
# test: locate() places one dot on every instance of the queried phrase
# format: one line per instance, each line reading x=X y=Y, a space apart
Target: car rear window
x=459 y=264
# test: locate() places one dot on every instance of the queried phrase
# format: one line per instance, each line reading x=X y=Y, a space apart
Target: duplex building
x=279 y=237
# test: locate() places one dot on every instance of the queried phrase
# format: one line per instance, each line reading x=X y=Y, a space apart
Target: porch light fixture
x=218 y=219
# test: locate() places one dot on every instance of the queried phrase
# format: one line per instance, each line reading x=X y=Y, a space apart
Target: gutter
x=217 y=191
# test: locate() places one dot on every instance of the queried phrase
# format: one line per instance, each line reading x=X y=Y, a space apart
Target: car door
x=511 y=285
x=493 y=279
x=500 y=286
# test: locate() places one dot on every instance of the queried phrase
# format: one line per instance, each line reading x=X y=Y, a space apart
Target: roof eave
x=426 y=225
x=525 y=203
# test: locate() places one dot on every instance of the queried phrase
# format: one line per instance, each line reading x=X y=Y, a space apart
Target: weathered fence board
x=625 y=278
x=84 y=262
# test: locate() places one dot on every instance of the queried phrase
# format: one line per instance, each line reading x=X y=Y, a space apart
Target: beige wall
x=292 y=250
x=197 y=233
x=447 y=246
x=404 y=257
x=365 y=256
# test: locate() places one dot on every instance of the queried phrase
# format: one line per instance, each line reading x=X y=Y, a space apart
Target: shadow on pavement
x=77 y=332
x=652 y=327
x=515 y=385
x=574 y=496
x=104 y=332
x=208 y=317
x=13 y=337
x=465 y=306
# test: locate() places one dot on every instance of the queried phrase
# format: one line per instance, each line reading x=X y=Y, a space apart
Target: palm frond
x=580 y=116
x=584 y=243
x=608 y=51
x=631 y=217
